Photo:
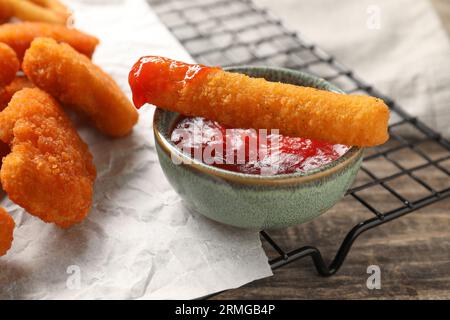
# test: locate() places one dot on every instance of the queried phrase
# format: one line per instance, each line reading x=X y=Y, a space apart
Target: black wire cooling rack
x=236 y=32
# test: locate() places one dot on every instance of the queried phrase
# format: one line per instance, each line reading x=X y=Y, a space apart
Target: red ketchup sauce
x=274 y=153
x=157 y=80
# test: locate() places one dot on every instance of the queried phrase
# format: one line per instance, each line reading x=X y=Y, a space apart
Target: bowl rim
x=349 y=157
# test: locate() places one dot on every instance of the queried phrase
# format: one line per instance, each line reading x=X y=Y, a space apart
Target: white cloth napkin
x=139 y=242
x=399 y=46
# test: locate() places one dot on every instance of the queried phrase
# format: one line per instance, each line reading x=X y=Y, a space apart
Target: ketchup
x=157 y=80
x=220 y=146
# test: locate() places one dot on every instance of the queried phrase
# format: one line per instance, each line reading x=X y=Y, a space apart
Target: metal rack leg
x=322 y=268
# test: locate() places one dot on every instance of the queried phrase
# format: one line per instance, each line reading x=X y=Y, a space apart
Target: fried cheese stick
x=55 y=6
x=240 y=101
x=20 y=35
x=49 y=171
x=76 y=82
x=29 y=11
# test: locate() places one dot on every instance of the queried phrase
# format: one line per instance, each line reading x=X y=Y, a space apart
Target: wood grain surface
x=412 y=252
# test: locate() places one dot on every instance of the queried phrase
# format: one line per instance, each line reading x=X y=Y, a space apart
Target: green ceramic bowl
x=255 y=201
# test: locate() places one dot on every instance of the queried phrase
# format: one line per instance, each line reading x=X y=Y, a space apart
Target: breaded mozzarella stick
x=240 y=101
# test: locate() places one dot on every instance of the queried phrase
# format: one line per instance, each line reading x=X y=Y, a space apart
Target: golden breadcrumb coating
x=9 y=64
x=20 y=35
x=6 y=93
x=76 y=82
x=6 y=231
x=243 y=102
x=49 y=171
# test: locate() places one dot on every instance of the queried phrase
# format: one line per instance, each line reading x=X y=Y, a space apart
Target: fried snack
x=20 y=35
x=49 y=171
x=28 y=11
x=239 y=101
x=9 y=64
x=7 y=225
x=4 y=150
x=55 y=6
x=7 y=92
x=76 y=82
x=6 y=12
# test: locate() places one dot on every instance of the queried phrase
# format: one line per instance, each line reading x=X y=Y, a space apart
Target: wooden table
x=413 y=252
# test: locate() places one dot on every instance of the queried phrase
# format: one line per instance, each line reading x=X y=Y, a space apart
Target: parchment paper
x=139 y=242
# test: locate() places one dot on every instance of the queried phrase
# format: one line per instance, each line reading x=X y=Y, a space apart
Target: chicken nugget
x=240 y=101
x=4 y=150
x=20 y=35
x=49 y=171
x=6 y=231
x=6 y=93
x=76 y=82
x=9 y=64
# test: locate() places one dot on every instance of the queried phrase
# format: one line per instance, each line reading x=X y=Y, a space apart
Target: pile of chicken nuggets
x=46 y=167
